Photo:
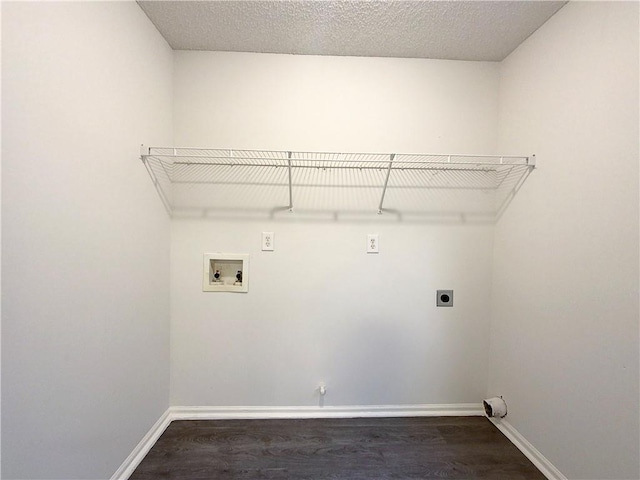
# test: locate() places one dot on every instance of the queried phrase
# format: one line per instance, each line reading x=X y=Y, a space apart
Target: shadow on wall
x=282 y=214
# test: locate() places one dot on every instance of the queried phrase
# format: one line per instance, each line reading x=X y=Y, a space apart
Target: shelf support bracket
x=531 y=161
x=290 y=187
x=386 y=181
x=145 y=154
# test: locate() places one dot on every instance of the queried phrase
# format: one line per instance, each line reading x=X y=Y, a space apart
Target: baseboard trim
x=532 y=453
x=356 y=411
x=141 y=450
x=350 y=411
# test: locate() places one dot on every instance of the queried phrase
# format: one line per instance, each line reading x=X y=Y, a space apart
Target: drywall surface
x=564 y=344
x=319 y=308
x=85 y=253
x=335 y=104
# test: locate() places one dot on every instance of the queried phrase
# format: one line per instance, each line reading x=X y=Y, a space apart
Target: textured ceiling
x=456 y=30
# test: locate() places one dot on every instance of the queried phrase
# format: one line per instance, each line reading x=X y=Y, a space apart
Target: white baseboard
x=141 y=450
x=540 y=461
x=359 y=411
x=355 y=411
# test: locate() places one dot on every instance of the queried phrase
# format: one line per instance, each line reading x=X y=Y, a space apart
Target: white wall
x=319 y=308
x=350 y=104
x=85 y=253
x=564 y=345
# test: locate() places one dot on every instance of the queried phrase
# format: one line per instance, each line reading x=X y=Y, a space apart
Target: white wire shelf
x=193 y=181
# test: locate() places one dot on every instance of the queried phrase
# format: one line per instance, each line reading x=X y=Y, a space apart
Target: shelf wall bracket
x=145 y=153
x=386 y=181
x=290 y=186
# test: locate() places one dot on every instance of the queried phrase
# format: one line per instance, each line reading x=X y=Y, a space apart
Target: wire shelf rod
x=341 y=186
x=226 y=160
x=386 y=182
x=152 y=151
x=409 y=158
x=505 y=176
x=512 y=193
x=299 y=162
x=436 y=168
x=290 y=186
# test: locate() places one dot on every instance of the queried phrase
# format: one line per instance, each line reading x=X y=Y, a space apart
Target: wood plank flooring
x=349 y=449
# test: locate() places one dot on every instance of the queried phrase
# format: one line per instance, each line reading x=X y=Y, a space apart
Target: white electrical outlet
x=372 y=243
x=267 y=241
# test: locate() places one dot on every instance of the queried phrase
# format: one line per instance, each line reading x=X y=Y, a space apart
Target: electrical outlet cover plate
x=444 y=298
x=267 y=241
x=372 y=243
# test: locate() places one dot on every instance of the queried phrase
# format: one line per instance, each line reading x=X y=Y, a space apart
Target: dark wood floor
x=349 y=449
